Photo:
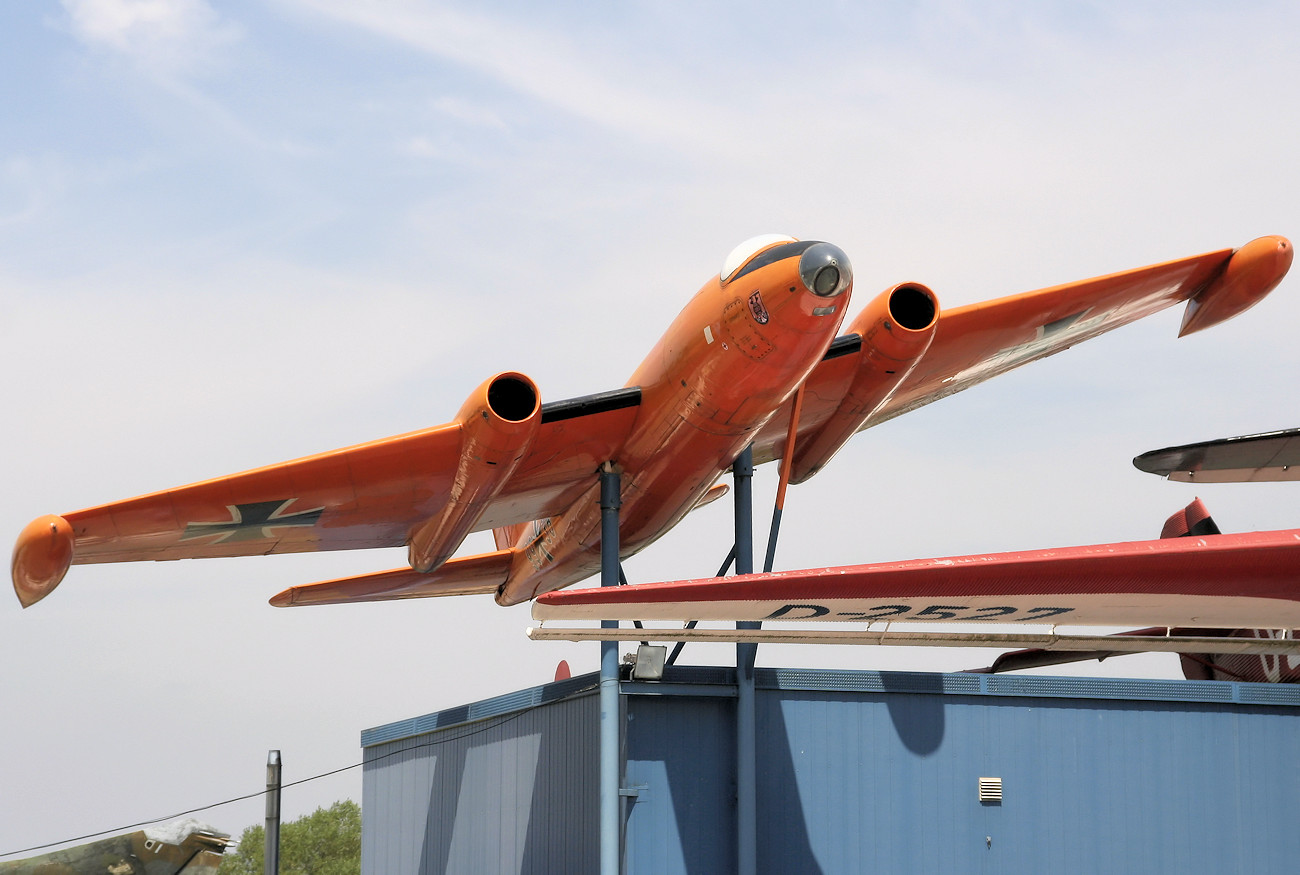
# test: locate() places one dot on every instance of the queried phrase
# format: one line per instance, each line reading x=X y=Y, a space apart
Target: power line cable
x=503 y=721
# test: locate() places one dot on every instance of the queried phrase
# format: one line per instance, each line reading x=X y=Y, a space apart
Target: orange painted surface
x=722 y=376
x=41 y=558
x=1253 y=271
x=976 y=342
x=732 y=357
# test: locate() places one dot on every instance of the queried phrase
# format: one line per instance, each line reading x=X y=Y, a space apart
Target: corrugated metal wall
x=889 y=783
x=682 y=751
x=511 y=791
x=858 y=772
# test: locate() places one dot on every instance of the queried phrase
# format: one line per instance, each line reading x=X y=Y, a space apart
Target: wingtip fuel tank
x=1252 y=272
x=41 y=558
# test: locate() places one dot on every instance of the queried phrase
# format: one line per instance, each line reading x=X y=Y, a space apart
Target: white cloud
x=420 y=147
x=544 y=64
x=26 y=186
x=165 y=36
x=469 y=112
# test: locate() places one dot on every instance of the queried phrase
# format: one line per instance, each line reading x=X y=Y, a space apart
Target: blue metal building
x=857 y=772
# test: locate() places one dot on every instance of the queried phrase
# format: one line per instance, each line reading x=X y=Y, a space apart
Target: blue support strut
x=746 y=654
x=610 y=777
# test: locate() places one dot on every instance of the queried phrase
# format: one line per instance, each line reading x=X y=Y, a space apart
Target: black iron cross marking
x=253 y=521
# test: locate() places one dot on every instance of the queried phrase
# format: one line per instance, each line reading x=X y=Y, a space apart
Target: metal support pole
x=742 y=472
x=746 y=654
x=787 y=465
x=271 y=854
x=610 y=777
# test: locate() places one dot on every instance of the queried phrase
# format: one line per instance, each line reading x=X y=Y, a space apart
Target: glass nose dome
x=825 y=270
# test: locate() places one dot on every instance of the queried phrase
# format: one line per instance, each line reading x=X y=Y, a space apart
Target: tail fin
x=508 y=536
x=1192 y=521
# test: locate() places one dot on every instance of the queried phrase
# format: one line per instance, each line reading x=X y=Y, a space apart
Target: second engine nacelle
x=896 y=329
x=498 y=423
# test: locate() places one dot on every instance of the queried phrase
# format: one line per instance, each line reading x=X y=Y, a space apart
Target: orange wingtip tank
x=41 y=558
x=896 y=329
x=498 y=423
x=1252 y=272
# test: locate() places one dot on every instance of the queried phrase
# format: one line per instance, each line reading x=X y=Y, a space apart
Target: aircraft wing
x=506 y=459
x=369 y=495
x=976 y=342
x=1239 y=580
x=183 y=848
x=1271 y=456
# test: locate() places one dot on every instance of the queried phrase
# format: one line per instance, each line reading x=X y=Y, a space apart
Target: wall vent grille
x=990 y=789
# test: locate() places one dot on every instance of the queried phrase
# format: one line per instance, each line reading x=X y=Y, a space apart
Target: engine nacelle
x=41 y=558
x=896 y=329
x=498 y=423
x=1252 y=272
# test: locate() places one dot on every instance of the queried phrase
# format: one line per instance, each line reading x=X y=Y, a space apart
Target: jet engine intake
x=896 y=329
x=498 y=424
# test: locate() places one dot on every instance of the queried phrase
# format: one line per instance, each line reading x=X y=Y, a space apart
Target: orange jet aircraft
x=753 y=359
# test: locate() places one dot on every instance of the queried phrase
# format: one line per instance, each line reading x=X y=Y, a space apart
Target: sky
x=234 y=234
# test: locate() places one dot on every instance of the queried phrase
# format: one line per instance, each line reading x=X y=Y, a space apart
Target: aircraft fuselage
x=730 y=359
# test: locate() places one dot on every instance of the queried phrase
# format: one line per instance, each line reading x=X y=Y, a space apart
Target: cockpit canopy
x=747 y=250
x=823 y=267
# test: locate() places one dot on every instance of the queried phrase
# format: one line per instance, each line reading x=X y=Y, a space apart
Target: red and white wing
x=1239 y=580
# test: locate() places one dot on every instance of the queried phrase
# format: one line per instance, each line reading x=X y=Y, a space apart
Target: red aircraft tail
x=1193 y=520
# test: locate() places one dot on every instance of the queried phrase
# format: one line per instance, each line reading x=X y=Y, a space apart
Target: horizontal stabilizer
x=1238 y=580
x=1272 y=456
x=466 y=575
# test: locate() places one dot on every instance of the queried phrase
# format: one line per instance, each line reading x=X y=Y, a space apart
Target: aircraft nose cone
x=825 y=270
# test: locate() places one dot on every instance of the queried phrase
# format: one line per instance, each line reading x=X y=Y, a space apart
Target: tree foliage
x=325 y=842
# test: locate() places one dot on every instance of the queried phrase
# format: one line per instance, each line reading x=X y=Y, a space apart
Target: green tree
x=325 y=842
